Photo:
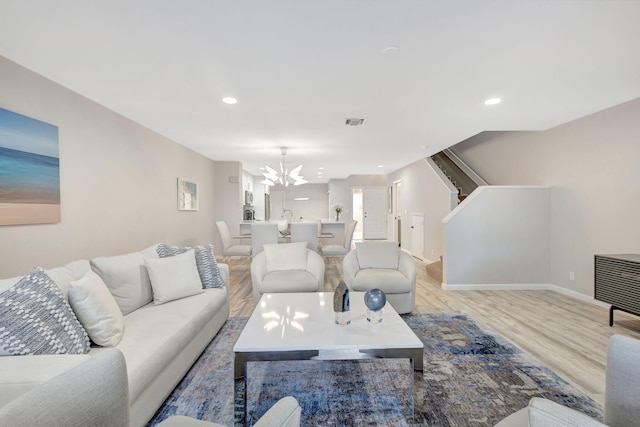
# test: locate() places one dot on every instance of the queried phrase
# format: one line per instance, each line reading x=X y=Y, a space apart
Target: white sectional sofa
x=160 y=342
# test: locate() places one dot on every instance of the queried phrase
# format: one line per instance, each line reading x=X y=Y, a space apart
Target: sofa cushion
x=61 y=275
x=96 y=309
x=377 y=254
x=127 y=278
x=286 y=256
x=65 y=274
x=174 y=277
x=289 y=281
x=387 y=280
x=35 y=318
x=205 y=260
x=156 y=334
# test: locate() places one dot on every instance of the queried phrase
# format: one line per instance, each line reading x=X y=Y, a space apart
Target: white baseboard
x=524 y=287
x=496 y=287
x=577 y=295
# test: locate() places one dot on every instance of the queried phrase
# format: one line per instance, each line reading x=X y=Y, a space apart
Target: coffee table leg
x=417 y=355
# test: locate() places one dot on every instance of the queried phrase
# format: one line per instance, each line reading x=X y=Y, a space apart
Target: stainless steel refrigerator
x=267 y=207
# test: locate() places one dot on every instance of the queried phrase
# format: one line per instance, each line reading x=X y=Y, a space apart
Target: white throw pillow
x=127 y=279
x=97 y=310
x=286 y=256
x=377 y=254
x=174 y=277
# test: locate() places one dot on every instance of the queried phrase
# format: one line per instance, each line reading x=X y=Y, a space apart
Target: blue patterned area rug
x=471 y=377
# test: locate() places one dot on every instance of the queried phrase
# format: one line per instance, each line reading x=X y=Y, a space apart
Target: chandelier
x=284 y=177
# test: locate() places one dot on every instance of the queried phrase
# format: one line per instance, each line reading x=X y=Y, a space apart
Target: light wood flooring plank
x=568 y=336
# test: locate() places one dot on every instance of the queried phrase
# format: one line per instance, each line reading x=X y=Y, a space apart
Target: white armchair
x=383 y=266
x=286 y=267
x=621 y=403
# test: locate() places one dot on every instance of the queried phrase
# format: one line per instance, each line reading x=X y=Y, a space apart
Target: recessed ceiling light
x=380 y=166
x=321 y=169
x=390 y=51
x=301 y=198
x=229 y=100
x=492 y=101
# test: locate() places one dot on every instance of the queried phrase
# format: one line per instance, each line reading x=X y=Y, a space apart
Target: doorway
x=397 y=211
x=357 y=213
x=370 y=206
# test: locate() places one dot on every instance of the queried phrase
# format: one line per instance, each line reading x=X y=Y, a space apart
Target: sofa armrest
x=19 y=374
x=407 y=266
x=350 y=267
x=315 y=266
x=544 y=413
x=285 y=413
x=224 y=273
x=93 y=393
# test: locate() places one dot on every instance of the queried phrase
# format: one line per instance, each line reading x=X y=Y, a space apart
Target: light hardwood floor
x=566 y=335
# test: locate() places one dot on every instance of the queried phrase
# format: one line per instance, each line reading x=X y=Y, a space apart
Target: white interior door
x=417 y=235
x=374 y=201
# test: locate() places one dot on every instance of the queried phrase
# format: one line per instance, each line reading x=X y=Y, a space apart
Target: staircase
x=460 y=175
x=434 y=270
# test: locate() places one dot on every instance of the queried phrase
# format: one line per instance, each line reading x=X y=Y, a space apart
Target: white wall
x=314 y=208
x=499 y=235
x=592 y=165
x=118 y=181
x=230 y=197
x=425 y=192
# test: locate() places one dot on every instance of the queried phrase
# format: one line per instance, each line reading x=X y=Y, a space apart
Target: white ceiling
x=299 y=68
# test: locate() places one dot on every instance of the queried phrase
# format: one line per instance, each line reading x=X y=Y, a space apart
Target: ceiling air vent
x=353 y=121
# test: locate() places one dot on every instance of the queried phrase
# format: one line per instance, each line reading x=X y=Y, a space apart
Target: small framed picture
x=187 y=195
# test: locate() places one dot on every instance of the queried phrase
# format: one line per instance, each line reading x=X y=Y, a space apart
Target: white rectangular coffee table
x=299 y=326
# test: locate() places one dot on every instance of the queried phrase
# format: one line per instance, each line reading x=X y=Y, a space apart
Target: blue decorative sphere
x=375 y=299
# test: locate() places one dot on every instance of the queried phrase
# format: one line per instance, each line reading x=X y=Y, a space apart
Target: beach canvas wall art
x=187 y=195
x=29 y=171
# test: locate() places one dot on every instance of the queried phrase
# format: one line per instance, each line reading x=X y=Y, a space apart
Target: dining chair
x=262 y=233
x=340 y=250
x=228 y=248
x=305 y=232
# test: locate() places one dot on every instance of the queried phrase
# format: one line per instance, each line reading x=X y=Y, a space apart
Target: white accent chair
x=621 y=403
x=383 y=266
x=262 y=233
x=96 y=393
x=305 y=232
x=286 y=267
x=228 y=248
x=345 y=247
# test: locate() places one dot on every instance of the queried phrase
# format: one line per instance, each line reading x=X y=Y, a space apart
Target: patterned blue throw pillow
x=206 y=262
x=36 y=319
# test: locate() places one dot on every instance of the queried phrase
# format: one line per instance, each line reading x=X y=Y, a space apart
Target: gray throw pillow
x=35 y=318
x=205 y=261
